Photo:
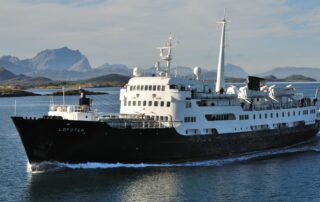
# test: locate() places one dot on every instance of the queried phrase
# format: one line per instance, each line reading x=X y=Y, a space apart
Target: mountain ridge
x=282 y=72
x=67 y=64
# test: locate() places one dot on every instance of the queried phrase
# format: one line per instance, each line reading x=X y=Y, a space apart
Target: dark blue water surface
x=285 y=174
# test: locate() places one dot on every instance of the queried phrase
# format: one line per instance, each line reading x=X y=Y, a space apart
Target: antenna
x=166 y=54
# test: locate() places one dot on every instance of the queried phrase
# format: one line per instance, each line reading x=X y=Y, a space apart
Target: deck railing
x=135 y=123
x=67 y=108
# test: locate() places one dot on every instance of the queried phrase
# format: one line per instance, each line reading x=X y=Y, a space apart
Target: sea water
x=284 y=174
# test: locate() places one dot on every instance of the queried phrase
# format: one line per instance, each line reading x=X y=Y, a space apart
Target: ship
x=165 y=118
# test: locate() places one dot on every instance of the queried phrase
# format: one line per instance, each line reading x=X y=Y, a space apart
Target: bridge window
x=155 y=103
x=134 y=103
x=138 y=87
x=163 y=88
x=188 y=104
x=271 y=115
x=265 y=115
x=129 y=103
x=158 y=88
x=145 y=87
x=254 y=116
x=150 y=103
x=144 y=103
x=150 y=87
x=154 y=87
x=277 y=115
x=162 y=103
x=168 y=104
x=139 y=103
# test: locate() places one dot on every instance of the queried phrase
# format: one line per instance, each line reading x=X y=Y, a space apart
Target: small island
x=12 y=92
x=75 y=92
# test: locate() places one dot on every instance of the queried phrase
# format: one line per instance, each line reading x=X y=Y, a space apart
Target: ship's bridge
x=173 y=83
x=153 y=96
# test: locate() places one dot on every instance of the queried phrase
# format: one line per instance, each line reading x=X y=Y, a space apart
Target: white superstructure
x=195 y=107
x=192 y=108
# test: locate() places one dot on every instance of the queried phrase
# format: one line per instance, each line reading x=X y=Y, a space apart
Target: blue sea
x=284 y=174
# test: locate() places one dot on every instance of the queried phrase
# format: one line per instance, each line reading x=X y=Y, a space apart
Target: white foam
x=55 y=166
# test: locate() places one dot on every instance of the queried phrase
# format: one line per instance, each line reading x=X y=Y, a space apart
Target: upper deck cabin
x=154 y=96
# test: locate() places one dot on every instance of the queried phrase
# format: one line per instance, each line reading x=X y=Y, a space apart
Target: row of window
x=244 y=117
x=220 y=117
x=190 y=119
x=147 y=103
x=158 y=118
x=304 y=112
x=147 y=88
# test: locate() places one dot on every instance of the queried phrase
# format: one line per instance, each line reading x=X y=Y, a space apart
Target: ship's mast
x=220 y=83
x=166 y=55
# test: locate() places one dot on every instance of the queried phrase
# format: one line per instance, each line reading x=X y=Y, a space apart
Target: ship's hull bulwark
x=87 y=141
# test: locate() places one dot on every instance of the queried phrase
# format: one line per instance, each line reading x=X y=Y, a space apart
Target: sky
x=261 y=34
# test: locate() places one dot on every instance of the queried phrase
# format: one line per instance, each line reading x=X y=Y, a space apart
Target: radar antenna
x=166 y=55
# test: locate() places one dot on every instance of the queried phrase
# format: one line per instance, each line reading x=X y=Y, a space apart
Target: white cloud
x=127 y=31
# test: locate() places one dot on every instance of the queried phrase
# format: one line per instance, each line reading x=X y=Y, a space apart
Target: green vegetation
x=12 y=92
x=75 y=92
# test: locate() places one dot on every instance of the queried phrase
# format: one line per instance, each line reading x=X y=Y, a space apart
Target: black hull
x=85 y=141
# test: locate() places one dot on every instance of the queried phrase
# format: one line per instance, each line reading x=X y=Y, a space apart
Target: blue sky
x=262 y=34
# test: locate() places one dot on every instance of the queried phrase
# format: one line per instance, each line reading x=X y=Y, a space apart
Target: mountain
x=292 y=78
x=61 y=59
x=25 y=80
x=60 y=75
x=5 y=74
x=68 y=64
x=109 y=78
x=235 y=71
x=282 y=72
x=16 y=65
x=231 y=70
x=9 y=78
x=270 y=78
x=62 y=63
x=112 y=69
